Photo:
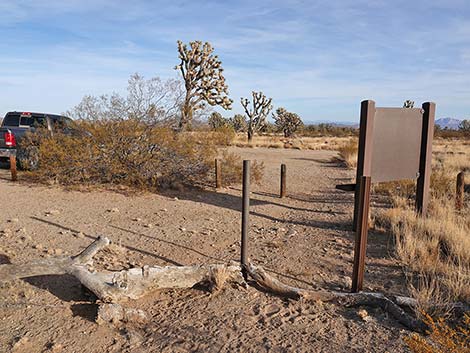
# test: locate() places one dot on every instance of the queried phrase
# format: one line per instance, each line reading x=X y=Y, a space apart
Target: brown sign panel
x=396 y=144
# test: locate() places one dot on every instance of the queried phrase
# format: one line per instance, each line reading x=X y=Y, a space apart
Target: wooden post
x=283 y=181
x=424 y=178
x=14 y=175
x=245 y=216
x=360 y=245
x=459 y=192
x=218 y=174
x=364 y=154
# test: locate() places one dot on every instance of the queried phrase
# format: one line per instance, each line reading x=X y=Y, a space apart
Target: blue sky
x=316 y=58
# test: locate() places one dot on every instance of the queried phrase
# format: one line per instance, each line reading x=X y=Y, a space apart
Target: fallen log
x=114 y=287
x=271 y=284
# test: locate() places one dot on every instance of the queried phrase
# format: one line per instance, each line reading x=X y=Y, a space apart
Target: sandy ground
x=304 y=240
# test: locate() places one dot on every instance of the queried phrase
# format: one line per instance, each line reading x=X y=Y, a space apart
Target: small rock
x=176 y=199
x=64 y=232
x=6 y=232
x=52 y=213
x=58 y=251
x=114 y=210
x=38 y=246
x=182 y=229
x=150 y=225
x=364 y=315
x=137 y=219
x=13 y=220
x=79 y=235
x=50 y=251
x=291 y=232
x=164 y=210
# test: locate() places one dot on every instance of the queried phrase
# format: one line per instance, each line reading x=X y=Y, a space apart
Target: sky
x=319 y=59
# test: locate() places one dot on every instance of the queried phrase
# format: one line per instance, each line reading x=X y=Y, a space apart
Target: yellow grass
x=279 y=141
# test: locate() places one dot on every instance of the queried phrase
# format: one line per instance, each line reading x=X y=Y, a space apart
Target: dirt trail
x=304 y=239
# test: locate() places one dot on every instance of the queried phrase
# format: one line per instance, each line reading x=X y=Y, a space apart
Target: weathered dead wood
x=53 y=265
x=271 y=284
x=115 y=287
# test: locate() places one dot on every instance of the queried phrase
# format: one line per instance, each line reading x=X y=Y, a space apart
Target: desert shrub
x=348 y=153
x=442 y=337
x=222 y=136
x=232 y=169
x=317 y=130
x=126 y=152
x=217 y=121
x=238 y=122
x=132 y=153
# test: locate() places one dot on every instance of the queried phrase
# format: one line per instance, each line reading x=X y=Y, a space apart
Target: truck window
x=11 y=120
x=33 y=121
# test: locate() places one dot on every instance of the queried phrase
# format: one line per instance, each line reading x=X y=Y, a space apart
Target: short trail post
x=360 y=245
x=282 y=192
x=459 y=192
x=218 y=173
x=14 y=174
x=245 y=216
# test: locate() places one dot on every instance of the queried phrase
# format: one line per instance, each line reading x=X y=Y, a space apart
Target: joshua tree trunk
x=250 y=133
x=186 y=114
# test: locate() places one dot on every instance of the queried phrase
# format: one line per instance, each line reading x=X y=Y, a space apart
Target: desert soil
x=304 y=240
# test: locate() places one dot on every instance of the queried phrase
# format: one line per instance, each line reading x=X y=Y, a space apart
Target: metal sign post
x=394 y=144
x=245 y=216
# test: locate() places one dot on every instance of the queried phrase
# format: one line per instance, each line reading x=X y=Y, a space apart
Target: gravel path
x=304 y=240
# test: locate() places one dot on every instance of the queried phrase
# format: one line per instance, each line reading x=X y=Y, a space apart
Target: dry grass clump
x=232 y=169
x=442 y=337
x=127 y=152
x=434 y=251
x=296 y=142
x=348 y=153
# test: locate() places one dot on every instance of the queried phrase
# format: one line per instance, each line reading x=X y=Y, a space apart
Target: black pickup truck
x=16 y=124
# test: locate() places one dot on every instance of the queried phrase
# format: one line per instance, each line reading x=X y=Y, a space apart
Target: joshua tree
x=408 y=104
x=203 y=77
x=286 y=122
x=216 y=121
x=261 y=106
x=238 y=122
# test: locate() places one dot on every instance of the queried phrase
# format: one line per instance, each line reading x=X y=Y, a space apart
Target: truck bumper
x=7 y=152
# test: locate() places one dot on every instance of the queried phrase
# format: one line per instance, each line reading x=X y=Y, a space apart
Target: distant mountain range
x=448 y=123
x=443 y=123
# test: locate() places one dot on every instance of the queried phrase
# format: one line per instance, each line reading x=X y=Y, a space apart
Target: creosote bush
x=125 y=152
x=232 y=169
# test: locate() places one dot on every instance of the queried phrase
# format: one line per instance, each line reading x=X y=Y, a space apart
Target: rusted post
x=245 y=216
x=218 y=174
x=360 y=245
x=364 y=153
x=459 y=192
x=283 y=181
x=424 y=179
x=14 y=175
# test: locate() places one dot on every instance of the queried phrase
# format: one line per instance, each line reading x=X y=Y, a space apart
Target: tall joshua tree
x=257 y=113
x=203 y=78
